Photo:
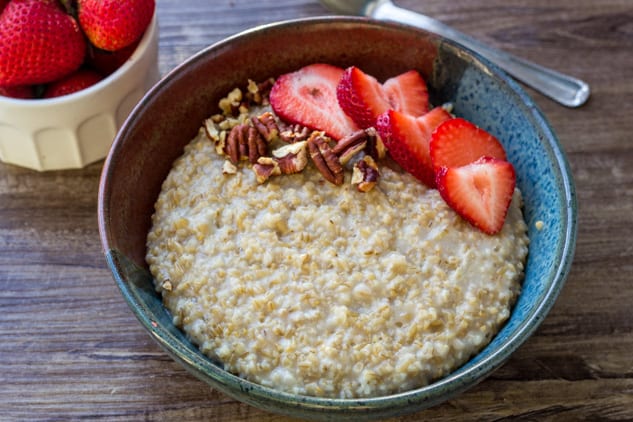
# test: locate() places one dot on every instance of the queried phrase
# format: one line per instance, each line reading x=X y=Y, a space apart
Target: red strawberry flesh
x=361 y=97
x=408 y=93
x=308 y=97
x=480 y=192
x=458 y=142
x=407 y=140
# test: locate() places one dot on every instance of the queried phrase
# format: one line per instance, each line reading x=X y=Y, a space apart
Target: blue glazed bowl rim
x=423 y=397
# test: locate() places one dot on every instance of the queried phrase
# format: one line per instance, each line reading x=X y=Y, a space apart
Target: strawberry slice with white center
x=308 y=97
x=408 y=93
x=407 y=140
x=480 y=192
x=363 y=98
x=458 y=142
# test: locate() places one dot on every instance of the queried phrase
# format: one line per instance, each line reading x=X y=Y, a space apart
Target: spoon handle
x=561 y=88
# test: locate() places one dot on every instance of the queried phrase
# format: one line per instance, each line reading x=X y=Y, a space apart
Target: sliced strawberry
x=458 y=142
x=407 y=140
x=308 y=97
x=480 y=192
x=363 y=98
x=408 y=93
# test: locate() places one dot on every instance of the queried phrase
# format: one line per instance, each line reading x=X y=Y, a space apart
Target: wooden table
x=71 y=349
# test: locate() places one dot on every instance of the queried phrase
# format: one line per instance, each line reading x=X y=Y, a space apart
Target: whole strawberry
x=106 y=62
x=83 y=78
x=24 y=92
x=114 y=24
x=39 y=43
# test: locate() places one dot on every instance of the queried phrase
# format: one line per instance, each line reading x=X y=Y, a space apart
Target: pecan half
x=324 y=159
x=365 y=174
x=245 y=142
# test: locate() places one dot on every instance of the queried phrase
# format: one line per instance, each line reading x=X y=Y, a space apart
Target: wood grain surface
x=71 y=349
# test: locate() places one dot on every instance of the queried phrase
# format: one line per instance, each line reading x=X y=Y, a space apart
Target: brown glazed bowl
x=169 y=116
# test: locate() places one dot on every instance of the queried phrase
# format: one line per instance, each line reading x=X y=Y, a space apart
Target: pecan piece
x=229 y=168
x=292 y=158
x=266 y=85
x=266 y=125
x=211 y=130
x=265 y=168
x=253 y=94
x=348 y=147
x=232 y=147
x=257 y=93
x=215 y=134
x=294 y=133
x=245 y=142
x=231 y=103
x=324 y=159
x=289 y=159
x=365 y=174
x=375 y=147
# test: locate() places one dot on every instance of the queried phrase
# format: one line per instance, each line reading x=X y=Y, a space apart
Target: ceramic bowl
x=171 y=113
x=77 y=129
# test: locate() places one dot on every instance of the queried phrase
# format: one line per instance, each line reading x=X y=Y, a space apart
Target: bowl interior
x=170 y=115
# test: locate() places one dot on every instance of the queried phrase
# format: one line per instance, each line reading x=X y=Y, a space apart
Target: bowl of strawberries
x=69 y=75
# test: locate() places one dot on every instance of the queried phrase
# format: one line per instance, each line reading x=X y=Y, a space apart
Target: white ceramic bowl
x=77 y=129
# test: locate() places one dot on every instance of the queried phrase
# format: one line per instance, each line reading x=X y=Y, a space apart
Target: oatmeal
x=312 y=278
x=318 y=289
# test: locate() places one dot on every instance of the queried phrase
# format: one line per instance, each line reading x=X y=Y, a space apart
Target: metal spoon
x=564 y=89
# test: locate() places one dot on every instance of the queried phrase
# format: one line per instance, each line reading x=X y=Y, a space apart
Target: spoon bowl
x=351 y=7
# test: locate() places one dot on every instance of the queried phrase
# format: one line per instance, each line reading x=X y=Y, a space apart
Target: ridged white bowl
x=77 y=129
